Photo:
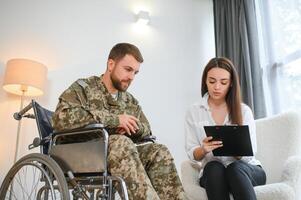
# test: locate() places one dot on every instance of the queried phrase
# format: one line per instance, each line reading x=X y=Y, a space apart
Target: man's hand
x=120 y=131
x=127 y=124
x=209 y=145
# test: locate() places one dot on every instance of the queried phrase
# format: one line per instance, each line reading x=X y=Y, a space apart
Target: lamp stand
x=19 y=127
x=23 y=89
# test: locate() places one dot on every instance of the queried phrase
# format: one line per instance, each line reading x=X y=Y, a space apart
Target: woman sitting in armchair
x=221 y=105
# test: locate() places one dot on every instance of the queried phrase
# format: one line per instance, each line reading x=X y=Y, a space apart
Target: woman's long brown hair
x=233 y=97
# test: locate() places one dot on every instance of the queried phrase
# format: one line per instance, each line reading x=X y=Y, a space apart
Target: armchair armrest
x=190 y=172
x=190 y=179
x=292 y=172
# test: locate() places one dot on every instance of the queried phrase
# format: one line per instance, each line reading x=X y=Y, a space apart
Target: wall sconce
x=143 y=17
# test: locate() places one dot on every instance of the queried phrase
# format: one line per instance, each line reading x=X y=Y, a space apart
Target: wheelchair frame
x=57 y=171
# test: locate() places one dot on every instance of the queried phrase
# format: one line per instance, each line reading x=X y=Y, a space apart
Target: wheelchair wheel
x=35 y=176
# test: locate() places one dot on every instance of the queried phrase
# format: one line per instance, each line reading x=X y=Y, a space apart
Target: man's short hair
x=121 y=49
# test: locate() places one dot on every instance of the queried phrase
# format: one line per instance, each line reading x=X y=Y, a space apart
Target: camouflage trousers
x=148 y=170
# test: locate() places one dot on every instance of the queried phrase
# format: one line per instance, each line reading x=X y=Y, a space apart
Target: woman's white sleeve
x=191 y=139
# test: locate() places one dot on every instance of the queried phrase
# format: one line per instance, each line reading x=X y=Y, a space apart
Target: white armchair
x=279 y=150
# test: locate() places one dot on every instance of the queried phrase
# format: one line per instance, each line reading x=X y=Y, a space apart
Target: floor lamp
x=24 y=77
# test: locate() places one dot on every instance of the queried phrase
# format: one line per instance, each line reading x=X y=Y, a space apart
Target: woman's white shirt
x=198 y=116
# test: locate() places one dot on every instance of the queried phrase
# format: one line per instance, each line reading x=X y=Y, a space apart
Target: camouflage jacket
x=88 y=101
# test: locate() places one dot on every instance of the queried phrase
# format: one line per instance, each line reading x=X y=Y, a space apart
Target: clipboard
x=236 y=140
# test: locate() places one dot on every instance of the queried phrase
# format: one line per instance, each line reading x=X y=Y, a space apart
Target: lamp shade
x=24 y=77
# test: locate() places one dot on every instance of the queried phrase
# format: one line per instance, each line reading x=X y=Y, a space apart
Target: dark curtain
x=236 y=38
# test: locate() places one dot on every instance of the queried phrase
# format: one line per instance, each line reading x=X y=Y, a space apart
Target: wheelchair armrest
x=149 y=138
x=146 y=139
x=92 y=126
x=87 y=129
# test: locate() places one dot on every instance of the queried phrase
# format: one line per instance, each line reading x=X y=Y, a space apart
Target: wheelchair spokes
x=27 y=184
x=35 y=176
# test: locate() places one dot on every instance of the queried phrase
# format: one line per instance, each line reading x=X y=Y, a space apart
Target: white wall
x=73 y=38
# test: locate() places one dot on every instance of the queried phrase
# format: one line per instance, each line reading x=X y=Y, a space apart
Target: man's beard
x=118 y=83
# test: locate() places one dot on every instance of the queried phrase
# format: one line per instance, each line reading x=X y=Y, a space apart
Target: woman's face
x=218 y=83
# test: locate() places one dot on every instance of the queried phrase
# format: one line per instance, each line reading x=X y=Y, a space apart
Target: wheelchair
x=61 y=170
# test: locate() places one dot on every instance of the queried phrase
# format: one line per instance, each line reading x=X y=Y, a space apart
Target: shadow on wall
x=2 y=71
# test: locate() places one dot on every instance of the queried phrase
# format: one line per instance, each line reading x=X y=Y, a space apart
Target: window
x=279 y=23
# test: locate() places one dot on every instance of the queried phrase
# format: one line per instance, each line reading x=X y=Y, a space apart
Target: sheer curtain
x=279 y=25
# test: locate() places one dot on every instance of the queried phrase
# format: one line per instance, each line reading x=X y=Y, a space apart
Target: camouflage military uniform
x=148 y=170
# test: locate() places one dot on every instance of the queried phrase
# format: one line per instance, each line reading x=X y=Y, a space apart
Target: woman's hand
x=209 y=145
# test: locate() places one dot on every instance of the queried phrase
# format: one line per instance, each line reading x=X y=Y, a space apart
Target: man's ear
x=111 y=64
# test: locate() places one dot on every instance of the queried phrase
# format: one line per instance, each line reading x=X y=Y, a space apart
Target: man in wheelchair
x=147 y=168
